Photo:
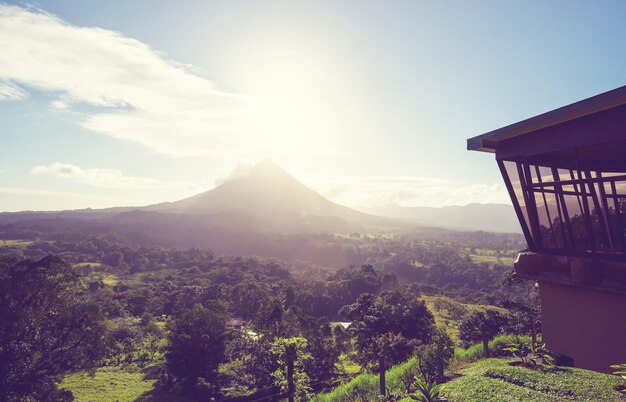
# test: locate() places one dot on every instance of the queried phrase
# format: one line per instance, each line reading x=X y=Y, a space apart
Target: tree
x=48 y=327
x=249 y=365
x=387 y=327
x=434 y=358
x=481 y=326
x=523 y=318
x=197 y=347
x=290 y=376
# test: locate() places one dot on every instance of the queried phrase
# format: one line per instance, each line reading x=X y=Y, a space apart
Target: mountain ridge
x=265 y=197
x=490 y=217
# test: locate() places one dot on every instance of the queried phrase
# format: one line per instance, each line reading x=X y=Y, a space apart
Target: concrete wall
x=587 y=325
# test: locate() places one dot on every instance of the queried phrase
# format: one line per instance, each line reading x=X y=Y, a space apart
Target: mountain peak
x=268 y=168
x=268 y=192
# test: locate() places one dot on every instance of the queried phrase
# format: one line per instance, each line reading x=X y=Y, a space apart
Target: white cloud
x=9 y=91
x=32 y=199
x=240 y=171
x=107 y=178
x=410 y=191
x=145 y=97
x=39 y=192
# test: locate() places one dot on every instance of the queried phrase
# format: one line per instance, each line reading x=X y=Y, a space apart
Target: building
x=565 y=171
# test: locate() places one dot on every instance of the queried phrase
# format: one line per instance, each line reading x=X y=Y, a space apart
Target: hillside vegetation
x=495 y=380
x=500 y=380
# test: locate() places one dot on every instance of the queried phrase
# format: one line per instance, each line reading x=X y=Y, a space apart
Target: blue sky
x=369 y=102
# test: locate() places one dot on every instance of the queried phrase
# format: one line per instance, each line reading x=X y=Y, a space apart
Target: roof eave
x=487 y=142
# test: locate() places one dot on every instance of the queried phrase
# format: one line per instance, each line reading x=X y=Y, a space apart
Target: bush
x=365 y=386
x=496 y=345
x=434 y=358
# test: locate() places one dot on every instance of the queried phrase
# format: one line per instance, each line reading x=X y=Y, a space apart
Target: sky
x=117 y=103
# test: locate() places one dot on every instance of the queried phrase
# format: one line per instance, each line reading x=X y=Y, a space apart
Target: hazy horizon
x=369 y=104
x=242 y=171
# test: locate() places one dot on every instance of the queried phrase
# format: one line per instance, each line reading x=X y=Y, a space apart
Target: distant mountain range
x=486 y=217
x=265 y=212
x=268 y=199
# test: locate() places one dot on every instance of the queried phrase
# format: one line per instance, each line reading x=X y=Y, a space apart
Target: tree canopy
x=48 y=327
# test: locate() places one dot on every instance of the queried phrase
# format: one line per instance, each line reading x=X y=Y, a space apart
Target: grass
x=494 y=380
x=106 y=278
x=491 y=260
x=366 y=385
x=448 y=313
x=84 y=264
x=347 y=365
x=108 y=384
x=16 y=243
x=499 y=380
x=491 y=257
x=496 y=346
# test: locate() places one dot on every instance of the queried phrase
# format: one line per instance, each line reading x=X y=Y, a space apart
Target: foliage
x=196 y=348
x=520 y=349
x=249 y=365
x=620 y=370
x=496 y=346
x=499 y=380
x=365 y=386
x=47 y=328
x=481 y=326
x=382 y=320
x=522 y=318
x=292 y=351
x=540 y=351
x=427 y=391
x=140 y=287
x=108 y=384
x=433 y=358
x=321 y=367
x=387 y=327
x=530 y=355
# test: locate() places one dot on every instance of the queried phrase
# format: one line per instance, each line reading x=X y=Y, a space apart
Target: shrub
x=620 y=371
x=426 y=391
x=496 y=345
x=434 y=358
x=530 y=355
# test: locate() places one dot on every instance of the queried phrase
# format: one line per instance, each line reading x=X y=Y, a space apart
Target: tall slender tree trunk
x=290 y=356
x=533 y=329
x=382 y=385
x=486 y=347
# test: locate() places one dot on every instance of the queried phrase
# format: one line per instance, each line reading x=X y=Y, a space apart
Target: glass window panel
x=577 y=226
x=511 y=170
x=557 y=226
x=545 y=223
x=545 y=174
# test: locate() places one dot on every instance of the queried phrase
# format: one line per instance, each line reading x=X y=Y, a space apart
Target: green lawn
x=448 y=313
x=492 y=380
x=106 y=278
x=108 y=384
x=491 y=260
x=84 y=264
x=347 y=365
x=492 y=257
x=15 y=243
x=499 y=380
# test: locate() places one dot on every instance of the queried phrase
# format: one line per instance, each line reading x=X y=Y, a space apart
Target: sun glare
x=294 y=107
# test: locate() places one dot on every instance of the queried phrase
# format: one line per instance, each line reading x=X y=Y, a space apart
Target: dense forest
x=209 y=325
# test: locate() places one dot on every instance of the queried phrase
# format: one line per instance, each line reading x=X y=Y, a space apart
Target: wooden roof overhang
x=589 y=134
